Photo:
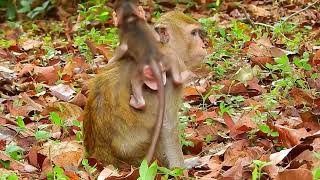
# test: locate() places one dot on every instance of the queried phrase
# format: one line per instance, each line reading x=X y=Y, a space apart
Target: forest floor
x=254 y=113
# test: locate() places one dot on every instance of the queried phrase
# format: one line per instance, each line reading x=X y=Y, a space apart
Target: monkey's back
x=141 y=41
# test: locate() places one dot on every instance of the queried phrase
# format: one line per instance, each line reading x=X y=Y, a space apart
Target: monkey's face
x=197 y=43
x=187 y=40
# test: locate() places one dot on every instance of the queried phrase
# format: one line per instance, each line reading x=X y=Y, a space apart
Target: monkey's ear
x=163 y=33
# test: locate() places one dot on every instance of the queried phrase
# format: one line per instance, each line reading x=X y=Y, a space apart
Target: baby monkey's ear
x=117 y=17
x=141 y=13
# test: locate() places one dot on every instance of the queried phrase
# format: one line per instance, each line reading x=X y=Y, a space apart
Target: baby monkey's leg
x=120 y=51
x=137 y=100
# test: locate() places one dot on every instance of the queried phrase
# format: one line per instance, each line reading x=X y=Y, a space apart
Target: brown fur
x=114 y=131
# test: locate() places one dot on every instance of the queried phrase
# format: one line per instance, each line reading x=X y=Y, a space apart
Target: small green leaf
x=56 y=119
x=76 y=123
x=85 y=162
x=264 y=128
x=20 y=122
x=152 y=171
x=274 y=134
x=316 y=173
x=176 y=172
x=147 y=173
x=42 y=135
x=13 y=176
x=5 y=164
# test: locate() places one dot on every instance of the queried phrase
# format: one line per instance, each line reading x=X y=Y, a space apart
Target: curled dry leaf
x=30 y=102
x=295 y=174
x=31 y=44
x=47 y=74
x=108 y=172
x=79 y=100
x=258 y=11
x=233 y=87
x=290 y=136
x=191 y=91
x=3 y=54
x=62 y=91
x=260 y=50
x=68 y=153
x=245 y=121
x=241 y=149
x=16 y=110
x=76 y=66
x=316 y=58
x=203 y=115
x=237 y=170
x=277 y=157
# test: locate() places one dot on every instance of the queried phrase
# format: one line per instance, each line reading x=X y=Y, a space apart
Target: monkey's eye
x=194 y=32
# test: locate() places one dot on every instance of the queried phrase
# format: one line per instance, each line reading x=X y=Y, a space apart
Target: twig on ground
x=298 y=12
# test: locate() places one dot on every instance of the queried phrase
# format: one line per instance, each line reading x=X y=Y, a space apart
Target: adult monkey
x=114 y=132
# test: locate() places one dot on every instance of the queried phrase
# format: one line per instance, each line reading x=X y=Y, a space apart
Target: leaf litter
x=253 y=112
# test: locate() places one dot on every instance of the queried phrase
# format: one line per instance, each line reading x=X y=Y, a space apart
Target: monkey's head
x=184 y=35
x=126 y=9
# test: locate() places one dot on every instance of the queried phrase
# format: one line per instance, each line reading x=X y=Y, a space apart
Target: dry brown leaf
x=190 y=91
x=62 y=91
x=291 y=136
x=295 y=174
x=246 y=120
x=31 y=44
x=30 y=102
x=262 y=61
x=19 y=110
x=316 y=59
x=79 y=100
x=258 y=11
x=233 y=87
x=290 y=153
x=203 y=115
x=260 y=50
x=68 y=153
x=47 y=74
x=108 y=172
x=237 y=170
x=241 y=149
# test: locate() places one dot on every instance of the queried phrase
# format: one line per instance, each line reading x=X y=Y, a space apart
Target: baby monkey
x=142 y=44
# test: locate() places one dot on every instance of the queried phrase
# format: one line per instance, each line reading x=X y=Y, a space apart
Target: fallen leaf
x=258 y=11
x=79 y=100
x=277 y=157
x=47 y=74
x=16 y=165
x=67 y=153
x=237 y=170
x=30 y=102
x=291 y=136
x=316 y=58
x=262 y=61
x=31 y=44
x=295 y=174
x=62 y=91
x=191 y=91
x=108 y=172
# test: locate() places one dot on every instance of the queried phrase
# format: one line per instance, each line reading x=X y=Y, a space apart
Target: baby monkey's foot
x=137 y=103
